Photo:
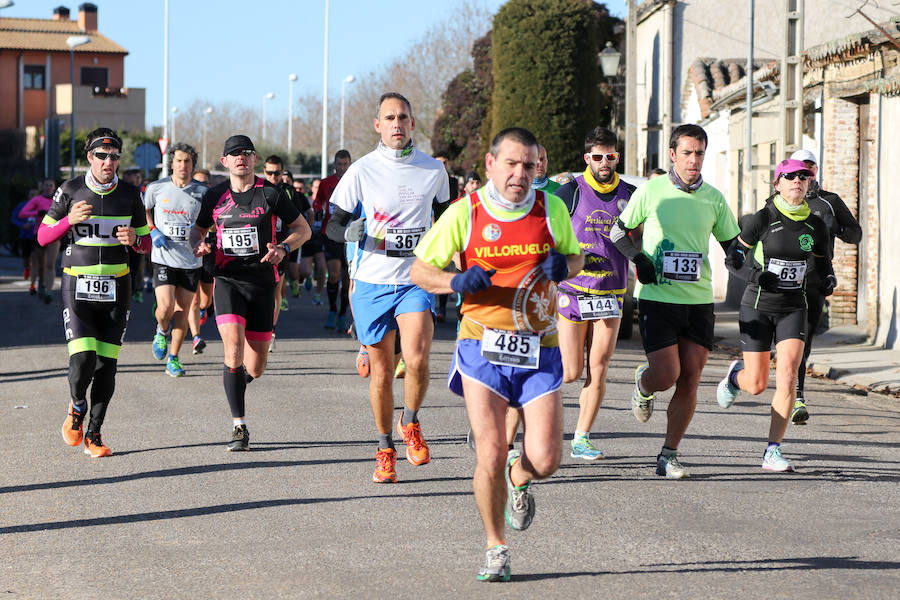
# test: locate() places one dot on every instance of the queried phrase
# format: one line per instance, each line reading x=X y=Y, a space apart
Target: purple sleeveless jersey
x=605 y=268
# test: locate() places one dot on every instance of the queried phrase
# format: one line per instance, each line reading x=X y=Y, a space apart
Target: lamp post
x=174 y=111
x=325 y=101
x=609 y=59
x=6 y=3
x=206 y=113
x=347 y=79
x=73 y=41
x=268 y=96
x=165 y=124
x=291 y=79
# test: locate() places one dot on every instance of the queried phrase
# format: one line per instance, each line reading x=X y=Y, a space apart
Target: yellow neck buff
x=603 y=188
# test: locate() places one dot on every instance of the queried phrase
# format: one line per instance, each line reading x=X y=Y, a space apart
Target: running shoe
x=641 y=405
x=94 y=446
x=295 y=288
x=72 y=427
x=496 y=564
x=203 y=315
x=341 y=324
x=519 y=501
x=330 y=321
x=799 y=415
x=160 y=345
x=317 y=299
x=32 y=291
x=417 y=452
x=240 y=439
x=774 y=461
x=400 y=371
x=138 y=296
x=199 y=345
x=307 y=284
x=26 y=275
x=385 y=466
x=173 y=367
x=284 y=304
x=670 y=467
x=582 y=447
x=272 y=343
x=362 y=362
x=726 y=392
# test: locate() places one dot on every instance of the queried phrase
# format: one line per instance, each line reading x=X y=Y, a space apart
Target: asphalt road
x=172 y=515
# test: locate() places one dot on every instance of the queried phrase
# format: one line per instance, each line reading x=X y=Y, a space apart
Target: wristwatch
x=287 y=248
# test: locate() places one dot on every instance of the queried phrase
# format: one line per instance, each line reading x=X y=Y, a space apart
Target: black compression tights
x=87 y=367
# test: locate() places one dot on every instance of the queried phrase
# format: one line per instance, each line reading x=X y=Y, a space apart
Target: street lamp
x=73 y=41
x=347 y=79
x=174 y=110
x=206 y=113
x=6 y=3
x=291 y=79
x=268 y=96
x=325 y=100
x=609 y=61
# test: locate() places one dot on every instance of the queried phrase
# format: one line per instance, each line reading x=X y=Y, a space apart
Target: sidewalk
x=841 y=354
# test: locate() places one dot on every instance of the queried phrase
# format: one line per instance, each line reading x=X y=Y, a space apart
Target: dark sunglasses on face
x=110 y=155
x=273 y=172
x=792 y=176
x=611 y=157
x=241 y=152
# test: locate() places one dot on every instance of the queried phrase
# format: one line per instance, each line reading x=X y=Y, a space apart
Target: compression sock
x=345 y=300
x=235 y=380
x=102 y=391
x=332 y=296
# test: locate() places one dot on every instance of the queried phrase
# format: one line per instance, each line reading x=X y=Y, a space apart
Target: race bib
x=511 y=348
x=599 y=307
x=176 y=230
x=682 y=266
x=790 y=272
x=96 y=288
x=278 y=225
x=401 y=242
x=240 y=241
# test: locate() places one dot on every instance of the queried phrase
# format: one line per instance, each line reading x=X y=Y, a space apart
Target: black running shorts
x=662 y=324
x=183 y=278
x=249 y=304
x=760 y=328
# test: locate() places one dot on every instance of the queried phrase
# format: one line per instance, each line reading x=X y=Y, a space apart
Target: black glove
x=735 y=256
x=474 y=279
x=768 y=281
x=555 y=266
x=828 y=285
x=646 y=272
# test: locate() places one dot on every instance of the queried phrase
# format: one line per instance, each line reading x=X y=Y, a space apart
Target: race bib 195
x=240 y=241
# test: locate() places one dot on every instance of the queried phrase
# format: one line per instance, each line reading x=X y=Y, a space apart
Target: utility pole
x=748 y=159
x=792 y=77
x=631 y=165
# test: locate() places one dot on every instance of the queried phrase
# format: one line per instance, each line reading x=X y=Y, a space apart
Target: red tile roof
x=50 y=35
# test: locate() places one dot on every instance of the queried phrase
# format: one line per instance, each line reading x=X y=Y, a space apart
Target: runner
x=590 y=304
x=335 y=253
x=514 y=243
x=829 y=207
x=244 y=208
x=472 y=183
x=541 y=181
x=43 y=259
x=784 y=238
x=303 y=205
x=315 y=248
x=396 y=185
x=202 y=303
x=674 y=288
x=101 y=218
x=172 y=206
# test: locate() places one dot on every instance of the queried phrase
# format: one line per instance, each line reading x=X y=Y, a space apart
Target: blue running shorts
x=375 y=307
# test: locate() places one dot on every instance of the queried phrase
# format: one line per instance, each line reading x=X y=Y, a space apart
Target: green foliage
x=546 y=74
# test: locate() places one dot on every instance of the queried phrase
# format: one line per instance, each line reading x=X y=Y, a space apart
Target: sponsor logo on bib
x=491 y=232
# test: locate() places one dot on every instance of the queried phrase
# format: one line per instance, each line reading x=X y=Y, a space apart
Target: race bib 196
x=511 y=348
x=790 y=272
x=240 y=241
x=599 y=307
x=682 y=266
x=96 y=288
x=401 y=242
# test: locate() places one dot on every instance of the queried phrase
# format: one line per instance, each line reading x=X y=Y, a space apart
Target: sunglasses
x=611 y=157
x=792 y=176
x=274 y=172
x=242 y=152
x=110 y=155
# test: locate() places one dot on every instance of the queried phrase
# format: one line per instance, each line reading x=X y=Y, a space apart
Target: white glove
x=355 y=230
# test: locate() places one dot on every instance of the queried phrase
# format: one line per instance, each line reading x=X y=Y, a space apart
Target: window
x=95 y=76
x=34 y=77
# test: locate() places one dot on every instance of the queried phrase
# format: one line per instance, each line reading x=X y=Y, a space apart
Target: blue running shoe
x=330 y=321
x=582 y=447
x=160 y=345
x=173 y=367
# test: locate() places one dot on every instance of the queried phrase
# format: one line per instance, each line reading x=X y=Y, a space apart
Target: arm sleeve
x=29 y=210
x=205 y=216
x=337 y=224
x=750 y=270
x=446 y=237
x=850 y=231
x=139 y=217
x=568 y=194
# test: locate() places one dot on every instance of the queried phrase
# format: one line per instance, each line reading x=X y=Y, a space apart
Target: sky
x=239 y=50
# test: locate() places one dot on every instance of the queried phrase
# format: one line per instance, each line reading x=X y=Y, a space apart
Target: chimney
x=87 y=17
x=60 y=13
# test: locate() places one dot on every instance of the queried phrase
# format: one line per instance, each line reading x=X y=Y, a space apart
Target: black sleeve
x=568 y=193
x=139 y=212
x=284 y=207
x=753 y=226
x=438 y=208
x=205 y=216
x=337 y=223
x=849 y=230
x=61 y=204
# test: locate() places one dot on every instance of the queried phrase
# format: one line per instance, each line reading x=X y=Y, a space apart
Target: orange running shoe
x=93 y=446
x=385 y=466
x=72 y=426
x=417 y=452
x=362 y=362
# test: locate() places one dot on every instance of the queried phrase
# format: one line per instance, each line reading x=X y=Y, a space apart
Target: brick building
x=35 y=71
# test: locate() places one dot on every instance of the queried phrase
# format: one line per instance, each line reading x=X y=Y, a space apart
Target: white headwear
x=804 y=155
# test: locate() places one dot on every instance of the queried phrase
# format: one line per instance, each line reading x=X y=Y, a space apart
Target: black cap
x=237 y=142
x=472 y=176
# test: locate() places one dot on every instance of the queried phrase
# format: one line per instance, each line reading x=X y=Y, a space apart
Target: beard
x=599 y=179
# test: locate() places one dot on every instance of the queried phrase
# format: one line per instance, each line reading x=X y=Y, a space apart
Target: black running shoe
x=240 y=439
